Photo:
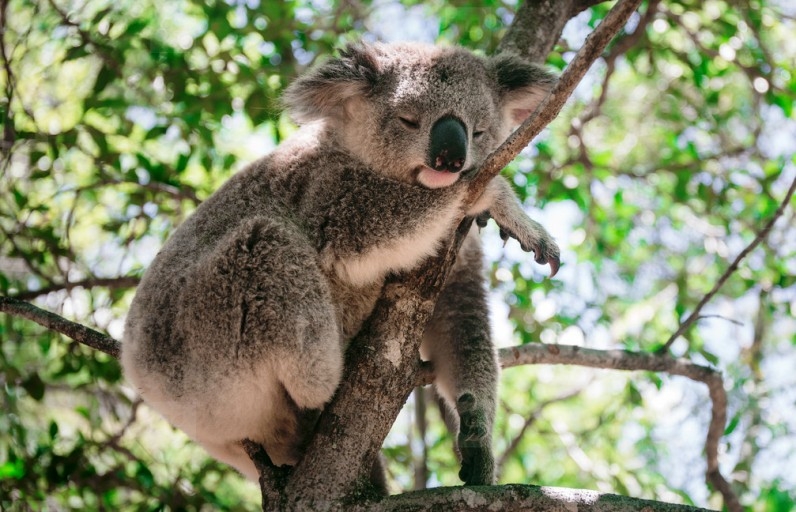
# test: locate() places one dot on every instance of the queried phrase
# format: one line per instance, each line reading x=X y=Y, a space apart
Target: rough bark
x=515 y=498
x=537 y=27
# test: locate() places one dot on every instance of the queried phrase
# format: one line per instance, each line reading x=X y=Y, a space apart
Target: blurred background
x=120 y=117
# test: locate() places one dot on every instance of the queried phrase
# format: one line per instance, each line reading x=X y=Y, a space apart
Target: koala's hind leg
x=457 y=342
x=264 y=338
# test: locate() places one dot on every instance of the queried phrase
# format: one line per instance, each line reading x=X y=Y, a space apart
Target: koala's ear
x=325 y=90
x=522 y=86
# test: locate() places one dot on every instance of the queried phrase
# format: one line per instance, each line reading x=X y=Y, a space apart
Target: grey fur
x=238 y=328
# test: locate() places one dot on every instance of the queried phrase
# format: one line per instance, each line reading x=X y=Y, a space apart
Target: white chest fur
x=402 y=253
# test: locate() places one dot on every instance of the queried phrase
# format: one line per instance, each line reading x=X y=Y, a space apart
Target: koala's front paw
x=478 y=465
x=531 y=236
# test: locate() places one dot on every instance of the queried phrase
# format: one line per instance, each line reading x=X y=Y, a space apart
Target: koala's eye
x=478 y=133
x=410 y=122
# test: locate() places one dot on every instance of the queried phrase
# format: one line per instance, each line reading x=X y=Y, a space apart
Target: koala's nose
x=448 y=148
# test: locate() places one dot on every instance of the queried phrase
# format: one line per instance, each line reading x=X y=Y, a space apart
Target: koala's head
x=419 y=113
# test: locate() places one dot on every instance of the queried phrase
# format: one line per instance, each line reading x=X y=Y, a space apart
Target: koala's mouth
x=431 y=178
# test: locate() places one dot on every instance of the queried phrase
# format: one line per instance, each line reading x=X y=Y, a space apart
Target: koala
x=238 y=329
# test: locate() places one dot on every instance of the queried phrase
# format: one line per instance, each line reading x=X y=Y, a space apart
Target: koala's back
x=219 y=237
x=239 y=270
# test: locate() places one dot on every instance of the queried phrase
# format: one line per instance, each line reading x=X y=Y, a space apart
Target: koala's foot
x=530 y=234
x=478 y=464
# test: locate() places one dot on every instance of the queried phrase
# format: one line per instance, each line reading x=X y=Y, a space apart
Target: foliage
x=120 y=117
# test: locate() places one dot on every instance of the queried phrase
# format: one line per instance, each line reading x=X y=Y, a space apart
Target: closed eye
x=478 y=134
x=410 y=123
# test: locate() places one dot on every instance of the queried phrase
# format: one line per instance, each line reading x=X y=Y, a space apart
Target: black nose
x=448 y=148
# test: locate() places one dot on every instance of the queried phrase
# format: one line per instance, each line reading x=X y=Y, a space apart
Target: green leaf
x=633 y=394
x=104 y=77
x=19 y=198
x=34 y=386
x=712 y=358
x=144 y=476
x=76 y=52
x=734 y=421
x=53 y=429
x=13 y=469
x=101 y=14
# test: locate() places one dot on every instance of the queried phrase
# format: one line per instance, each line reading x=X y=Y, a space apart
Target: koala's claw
x=505 y=235
x=547 y=252
x=532 y=238
x=543 y=247
x=481 y=219
x=555 y=264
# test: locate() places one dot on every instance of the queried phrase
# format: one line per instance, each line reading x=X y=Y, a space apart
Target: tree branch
x=536 y=28
x=8 y=137
x=515 y=498
x=107 y=282
x=555 y=100
x=77 y=332
x=539 y=353
x=581 y=5
x=731 y=269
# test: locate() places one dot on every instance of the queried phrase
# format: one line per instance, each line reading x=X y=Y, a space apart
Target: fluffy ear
x=522 y=86
x=325 y=90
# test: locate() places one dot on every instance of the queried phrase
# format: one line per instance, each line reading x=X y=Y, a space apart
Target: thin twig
x=133 y=415
x=7 y=141
x=618 y=49
x=185 y=193
x=731 y=269
x=77 y=332
x=23 y=256
x=86 y=38
x=530 y=420
x=722 y=317
x=107 y=282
